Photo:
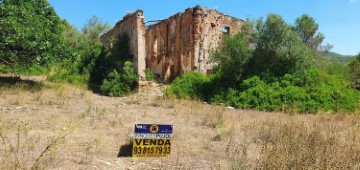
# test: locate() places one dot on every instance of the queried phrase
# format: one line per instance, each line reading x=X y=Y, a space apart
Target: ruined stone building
x=175 y=45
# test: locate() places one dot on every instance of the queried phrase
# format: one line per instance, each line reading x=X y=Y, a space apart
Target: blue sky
x=339 y=20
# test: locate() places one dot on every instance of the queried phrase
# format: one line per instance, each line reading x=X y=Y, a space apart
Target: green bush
x=270 y=66
x=331 y=93
x=149 y=75
x=102 y=75
x=321 y=93
x=67 y=71
x=334 y=68
x=5 y=68
x=106 y=71
x=31 y=33
x=117 y=84
x=34 y=69
x=232 y=57
x=355 y=72
x=190 y=85
x=279 y=50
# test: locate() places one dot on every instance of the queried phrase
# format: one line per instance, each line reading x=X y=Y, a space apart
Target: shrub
x=270 y=67
x=149 y=75
x=334 y=68
x=355 y=72
x=331 y=92
x=117 y=58
x=190 y=85
x=321 y=92
x=232 y=58
x=34 y=69
x=120 y=84
x=67 y=71
x=279 y=50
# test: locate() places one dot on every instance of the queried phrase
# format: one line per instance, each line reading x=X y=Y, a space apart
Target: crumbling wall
x=211 y=27
x=133 y=25
x=169 y=49
x=182 y=42
x=175 y=45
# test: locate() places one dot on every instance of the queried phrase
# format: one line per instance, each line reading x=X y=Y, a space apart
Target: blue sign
x=153 y=128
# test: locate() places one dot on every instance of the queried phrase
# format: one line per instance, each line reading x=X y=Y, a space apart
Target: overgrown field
x=52 y=126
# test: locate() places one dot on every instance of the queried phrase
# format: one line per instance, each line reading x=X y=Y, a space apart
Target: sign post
x=152 y=140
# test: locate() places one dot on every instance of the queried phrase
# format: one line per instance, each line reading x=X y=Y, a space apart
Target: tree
x=355 y=71
x=110 y=61
x=278 y=50
x=86 y=52
x=307 y=28
x=232 y=58
x=94 y=28
x=30 y=32
x=91 y=33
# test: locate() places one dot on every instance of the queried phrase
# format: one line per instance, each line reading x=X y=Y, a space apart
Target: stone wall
x=175 y=45
x=182 y=42
x=133 y=25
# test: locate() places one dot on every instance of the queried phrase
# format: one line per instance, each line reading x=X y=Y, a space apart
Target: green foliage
x=94 y=28
x=33 y=69
x=5 y=69
x=279 y=50
x=104 y=70
x=112 y=72
x=85 y=51
x=271 y=67
x=307 y=29
x=333 y=68
x=338 y=58
x=331 y=92
x=232 y=58
x=149 y=75
x=322 y=93
x=67 y=71
x=355 y=72
x=120 y=84
x=107 y=61
x=30 y=32
x=190 y=85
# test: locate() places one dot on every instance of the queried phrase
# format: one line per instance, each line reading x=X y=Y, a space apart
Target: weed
x=100 y=113
x=88 y=149
x=220 y=131
x=18 y=150
x=149 y=75
x=118 y=119
x=300 y=146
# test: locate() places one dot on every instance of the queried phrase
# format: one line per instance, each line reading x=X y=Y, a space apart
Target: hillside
x=339 y=58
x=56 y=126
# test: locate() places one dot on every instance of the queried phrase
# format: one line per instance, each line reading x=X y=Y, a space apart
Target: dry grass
x=65 y=127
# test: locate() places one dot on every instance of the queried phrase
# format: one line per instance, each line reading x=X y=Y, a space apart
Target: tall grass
x=22 y=150
x=297 y=145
